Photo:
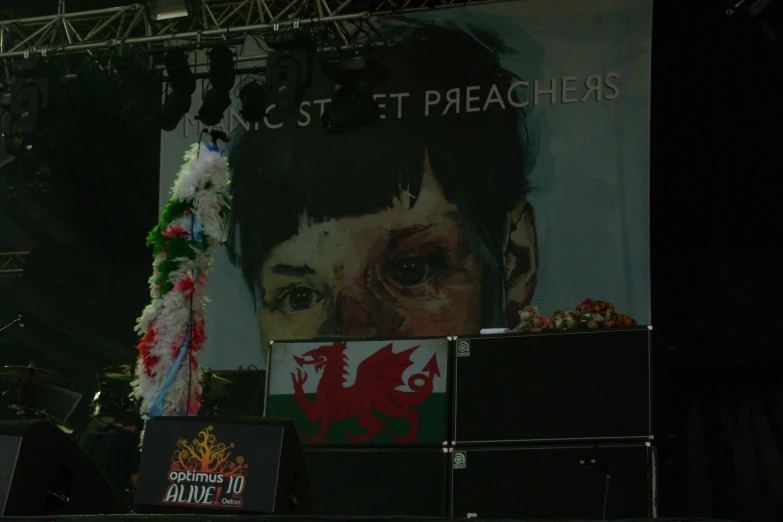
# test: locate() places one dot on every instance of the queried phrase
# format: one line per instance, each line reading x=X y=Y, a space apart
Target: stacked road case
x=540 y=425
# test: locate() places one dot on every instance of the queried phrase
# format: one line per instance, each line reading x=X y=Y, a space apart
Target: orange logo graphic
x=203 y=473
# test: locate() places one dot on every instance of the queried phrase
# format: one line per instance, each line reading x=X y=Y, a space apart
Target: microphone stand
x=9 y=325
x=217 y=134
x=591 y=461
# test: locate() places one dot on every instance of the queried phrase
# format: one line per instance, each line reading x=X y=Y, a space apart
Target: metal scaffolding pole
x=132 y=27
x=109 y=44
x=12 y=263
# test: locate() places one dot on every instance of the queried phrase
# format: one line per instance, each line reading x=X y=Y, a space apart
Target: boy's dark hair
x=481 y=159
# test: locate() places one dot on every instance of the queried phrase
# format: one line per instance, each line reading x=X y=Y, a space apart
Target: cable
x=198 y=150
x=247 y=78
x=591 y=460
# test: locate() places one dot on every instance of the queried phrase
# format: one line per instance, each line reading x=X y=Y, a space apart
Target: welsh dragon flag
x=361 y=392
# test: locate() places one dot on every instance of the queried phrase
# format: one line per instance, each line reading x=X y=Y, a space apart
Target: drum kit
x=106 y=403
x=22 y=378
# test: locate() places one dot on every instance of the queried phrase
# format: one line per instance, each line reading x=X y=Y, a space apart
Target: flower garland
x=191 y=228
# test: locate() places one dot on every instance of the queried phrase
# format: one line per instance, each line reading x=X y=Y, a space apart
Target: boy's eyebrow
x=293 y=270
x=407 y=231
x=452 y=215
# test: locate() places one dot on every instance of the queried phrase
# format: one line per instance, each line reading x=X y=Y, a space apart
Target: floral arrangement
x=588 y=314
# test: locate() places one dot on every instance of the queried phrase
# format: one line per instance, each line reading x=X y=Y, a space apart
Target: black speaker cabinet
x=245 y=465
x=582 y=385
x=556 y=482
x=44 y=473
x=379 y=482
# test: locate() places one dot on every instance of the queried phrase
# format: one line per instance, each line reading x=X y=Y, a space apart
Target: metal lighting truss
x=12 y=263
x=101 y=32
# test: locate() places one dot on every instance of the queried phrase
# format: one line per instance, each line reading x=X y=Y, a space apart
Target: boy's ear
x=521 y=261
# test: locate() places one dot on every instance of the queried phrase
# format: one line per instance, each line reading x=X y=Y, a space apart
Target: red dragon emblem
x=377 y=380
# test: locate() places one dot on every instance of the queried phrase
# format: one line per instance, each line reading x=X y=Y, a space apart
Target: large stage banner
x=510 y=167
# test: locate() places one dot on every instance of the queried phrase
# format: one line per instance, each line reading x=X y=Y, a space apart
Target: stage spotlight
x=183 y=85
x=213 y=106
x=353 y=104
x=288 y=68
x=284 y=80
x=180 y=76
x=176 y=105
x=29 y=97
x=221 y=68
x=253 y=98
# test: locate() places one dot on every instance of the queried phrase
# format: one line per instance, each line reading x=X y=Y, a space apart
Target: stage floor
x=300 y=518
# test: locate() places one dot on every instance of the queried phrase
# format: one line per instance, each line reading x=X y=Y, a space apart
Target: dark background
x=84 y=213
x=717 y=150
x=716 y=155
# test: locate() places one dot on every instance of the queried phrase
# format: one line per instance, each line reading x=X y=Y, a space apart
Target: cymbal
x=216 y=377
x=123 y=372
x=215 y=385
x=27 y=373
x=31 y=414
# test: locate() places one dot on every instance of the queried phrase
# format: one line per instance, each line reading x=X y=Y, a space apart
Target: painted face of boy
x=409 y=270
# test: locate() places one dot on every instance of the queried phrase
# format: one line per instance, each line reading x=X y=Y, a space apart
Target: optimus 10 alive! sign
x=190 y=464
x=204 y=472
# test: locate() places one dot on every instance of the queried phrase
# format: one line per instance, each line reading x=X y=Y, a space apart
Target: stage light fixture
x=181 y=78
x=253 y=98
x=353 y=105
x=352 y=108
x=288 y=68
x=168 y=9
x=283 y=81
x=288 y=40
x=29 y=97
x=183 y=85
x=213 y=106
x=176 y=105
x=221 y=68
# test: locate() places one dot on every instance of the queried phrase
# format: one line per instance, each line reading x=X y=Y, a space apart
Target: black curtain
x=734 y=442
x=716 y=243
